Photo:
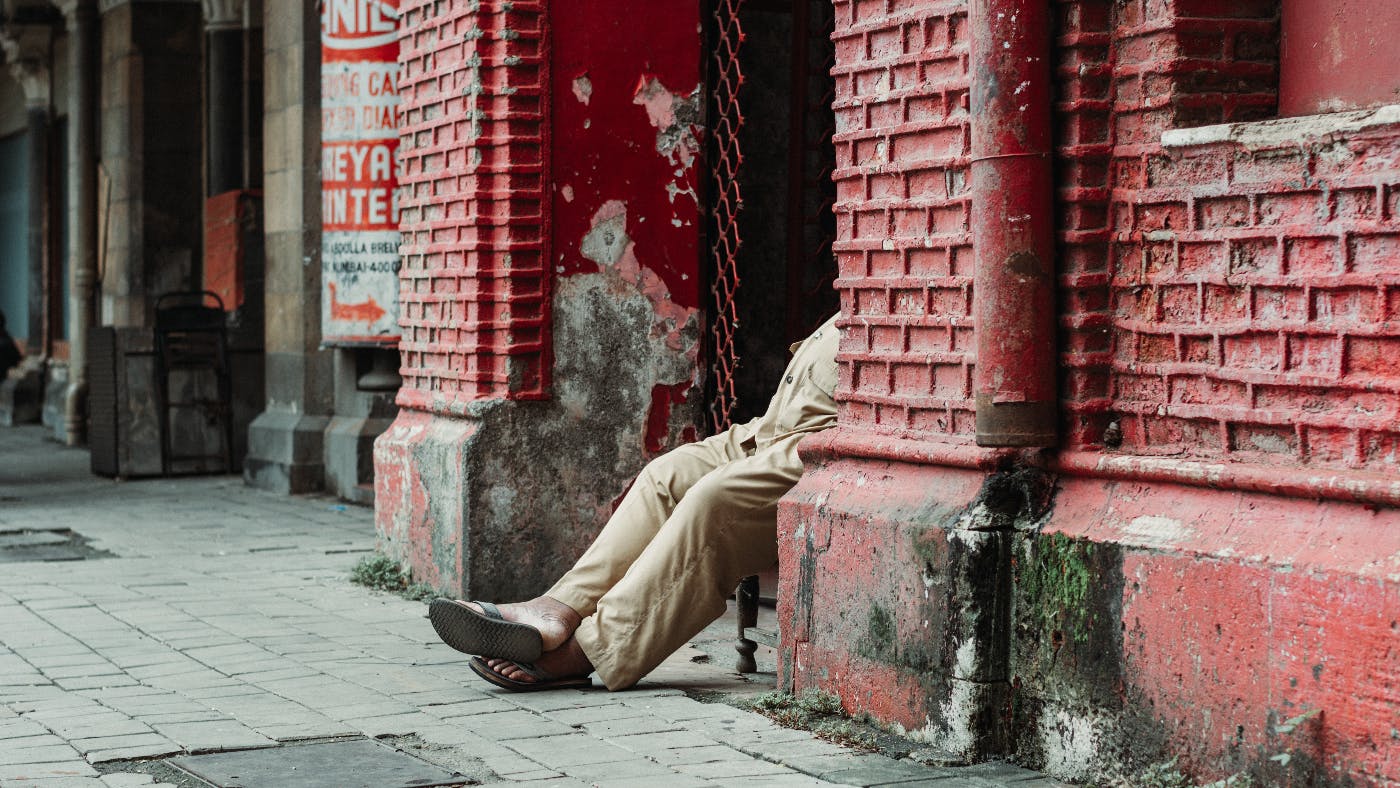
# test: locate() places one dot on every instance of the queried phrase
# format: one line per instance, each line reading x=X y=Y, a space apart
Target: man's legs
x=645 y=507
x=721 y=530
x=662 y=484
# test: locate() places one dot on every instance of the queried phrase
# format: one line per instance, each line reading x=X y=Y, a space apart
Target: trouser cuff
x=601 y=657
x=566 y=592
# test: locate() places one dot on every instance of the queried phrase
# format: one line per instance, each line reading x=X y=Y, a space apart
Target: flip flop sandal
x=543 y=680
x=486 y=633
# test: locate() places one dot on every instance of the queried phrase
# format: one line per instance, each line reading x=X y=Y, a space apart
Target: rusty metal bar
x=728 y=118
x=1012 y=223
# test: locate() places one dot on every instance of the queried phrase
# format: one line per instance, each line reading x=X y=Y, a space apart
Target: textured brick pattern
x=1251 y=286
x=1126 y=72
x=474 y=288
x=902 y=203
x=1084 y=148
x=1183 y=63
x=1255 y=296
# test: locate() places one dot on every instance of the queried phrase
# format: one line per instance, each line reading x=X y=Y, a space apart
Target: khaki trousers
x=696 y=521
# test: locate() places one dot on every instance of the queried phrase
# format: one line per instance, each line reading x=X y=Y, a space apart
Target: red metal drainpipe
x=1013 y=384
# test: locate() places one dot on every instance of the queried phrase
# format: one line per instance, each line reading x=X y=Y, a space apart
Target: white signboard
x=359 y=172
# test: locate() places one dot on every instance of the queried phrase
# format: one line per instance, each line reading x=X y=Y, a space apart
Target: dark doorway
x=14 y=237
x=771 y=194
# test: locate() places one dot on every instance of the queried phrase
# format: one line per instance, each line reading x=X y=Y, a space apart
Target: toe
x=514 y=672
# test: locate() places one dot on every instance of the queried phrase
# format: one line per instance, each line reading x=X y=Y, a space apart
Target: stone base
x=894 y=591
x=286 y=452
x=349 y=457
x=499 y=503
x=1144 y=622
x=22 y=393
x=248 y=379
x=1220 y=627
x=55 y=414
x=421 y=495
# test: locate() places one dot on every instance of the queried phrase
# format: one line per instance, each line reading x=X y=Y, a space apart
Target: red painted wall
x=550 y=284
x=1338 y=55
x=622 y=132
x=626 y=162
x=1229 y=300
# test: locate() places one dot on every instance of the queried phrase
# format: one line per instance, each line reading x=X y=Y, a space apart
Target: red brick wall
x=1126 y=72
x=1217 y=301
x=1255 y=298
x=905 y=266
x=1084 y=146
x=1253 y=288
x=474 y=289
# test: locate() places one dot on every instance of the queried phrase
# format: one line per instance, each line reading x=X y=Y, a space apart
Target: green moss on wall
x=1056 y=583
x=878 y=642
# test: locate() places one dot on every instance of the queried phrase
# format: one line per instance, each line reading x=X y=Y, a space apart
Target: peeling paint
x=607 y=243
x=953 y=729
x=664 y=398
x=673 y=189
x=1158 y=531
x=675 y=117
x=1073 y=744
x=583 y=88
x=609 y=355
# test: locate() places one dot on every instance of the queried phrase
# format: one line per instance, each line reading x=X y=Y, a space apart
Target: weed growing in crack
x=817 y=711
x=847 y=734
x=1165 y=774
x=383 y=573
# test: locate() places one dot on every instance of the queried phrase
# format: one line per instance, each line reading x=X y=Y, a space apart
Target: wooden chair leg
x=746 y=595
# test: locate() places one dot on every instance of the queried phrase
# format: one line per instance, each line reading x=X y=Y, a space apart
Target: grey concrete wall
x=286 y=441
x=363 y=410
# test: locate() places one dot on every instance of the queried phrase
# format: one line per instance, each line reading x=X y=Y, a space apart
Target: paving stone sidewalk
x=223 y=619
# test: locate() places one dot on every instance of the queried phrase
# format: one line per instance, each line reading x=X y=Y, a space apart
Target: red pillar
x=1013 y=223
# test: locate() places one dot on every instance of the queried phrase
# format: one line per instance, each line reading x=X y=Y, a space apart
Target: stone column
x=151 y=150
x=28 y=49
x=81 y=18
x=285 y=442
x=223 y=65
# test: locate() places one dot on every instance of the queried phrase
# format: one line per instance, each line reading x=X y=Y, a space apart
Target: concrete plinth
x=492 y=503
x=1094 y=628
x=286 y=452
x=349 y=457
x=421 y=497
x=55 y=410
x=895 y=594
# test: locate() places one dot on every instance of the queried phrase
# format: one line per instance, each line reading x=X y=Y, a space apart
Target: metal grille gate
x=728 y=119
x=810 y=192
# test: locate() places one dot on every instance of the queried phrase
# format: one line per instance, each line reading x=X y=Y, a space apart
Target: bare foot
x=555 y=620
x=564 y=662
